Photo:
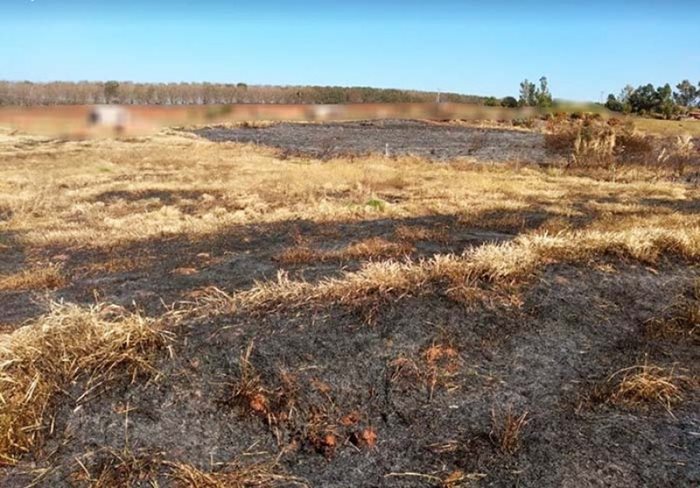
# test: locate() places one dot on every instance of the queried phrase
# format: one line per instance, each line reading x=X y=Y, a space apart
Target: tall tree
x=686 y=93
x=542 y=94
x=528 y=95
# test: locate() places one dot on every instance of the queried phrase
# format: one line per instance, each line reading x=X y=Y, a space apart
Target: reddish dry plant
x=507 y=429
x=437 y=368
x=285 y=408
x=644 y=384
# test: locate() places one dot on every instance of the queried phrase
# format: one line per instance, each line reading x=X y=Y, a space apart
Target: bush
x=509 y=102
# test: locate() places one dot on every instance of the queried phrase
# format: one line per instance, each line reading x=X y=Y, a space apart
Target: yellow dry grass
x=111 y=192
x=372 y=248
x=47 y=277
x=505 y=262
x=235 y=476
x=70 y=343
x=668 y=127
x=643 y=384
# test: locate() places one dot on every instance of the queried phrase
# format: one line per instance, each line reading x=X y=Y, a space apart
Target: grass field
x=179 y=312
x=668 y=127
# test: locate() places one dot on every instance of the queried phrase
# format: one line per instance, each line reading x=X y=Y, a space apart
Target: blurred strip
x=84 y=121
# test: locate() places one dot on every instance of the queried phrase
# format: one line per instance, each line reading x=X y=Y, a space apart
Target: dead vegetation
x=234 y=475
x=591 y=142
x=647 y=384
x=301 y=413
x=95 y=346
x=507 y=429
x=47 y=277
x=372 y=248
x=454 y=232
x=125 y=468
x=438 y=367
x=507 y=262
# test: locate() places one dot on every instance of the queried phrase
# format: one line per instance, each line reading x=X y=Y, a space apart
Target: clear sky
x=482 y=48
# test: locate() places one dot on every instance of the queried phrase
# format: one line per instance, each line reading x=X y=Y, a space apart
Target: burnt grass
x=543 y=352
x=397 y=137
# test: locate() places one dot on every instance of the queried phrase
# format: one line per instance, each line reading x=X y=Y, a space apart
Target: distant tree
x=686 y=93
x=664 y=101
x=643 y=99
x=492 y=102
x=614 y=104
x=509 y=102
x=542 y=94
x=241 y=86
x=111 y=91
x=528 y=93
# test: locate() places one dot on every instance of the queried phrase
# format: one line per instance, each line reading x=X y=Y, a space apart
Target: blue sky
x=467 y=47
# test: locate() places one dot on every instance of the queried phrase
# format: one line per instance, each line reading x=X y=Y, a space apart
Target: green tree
x=543 y=95
x=528 y=93
x=614 y=104
x=686 y=93
x=509 y=102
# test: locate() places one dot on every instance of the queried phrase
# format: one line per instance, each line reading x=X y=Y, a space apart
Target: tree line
x=126 y=93
x=660 y=101
x=530 y=95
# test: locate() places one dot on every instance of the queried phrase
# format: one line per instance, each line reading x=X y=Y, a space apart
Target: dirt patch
x=395 y=137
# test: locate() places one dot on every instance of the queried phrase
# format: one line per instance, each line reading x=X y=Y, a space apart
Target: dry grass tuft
x=507 y=429
x=37 y=278
x=94 y=346
x=234 y=475
x=414 y=233
x=645 y=384
x=372 y=248
x=114 y=468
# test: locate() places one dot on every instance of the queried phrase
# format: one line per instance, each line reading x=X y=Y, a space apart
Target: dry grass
x=368 y=249
x=413 y=233
x=507 y=262
x=646 y=384
x=48 y=277
x=109 y=468
x=233 y=476
x=53 y=193
x=38 y=361
x=595 y=143
x=507 y=429
x=668 y=127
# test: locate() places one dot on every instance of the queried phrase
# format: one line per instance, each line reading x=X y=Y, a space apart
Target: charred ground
x=245 y=320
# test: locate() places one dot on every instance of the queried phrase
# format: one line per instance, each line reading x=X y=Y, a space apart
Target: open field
x=182 y=312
